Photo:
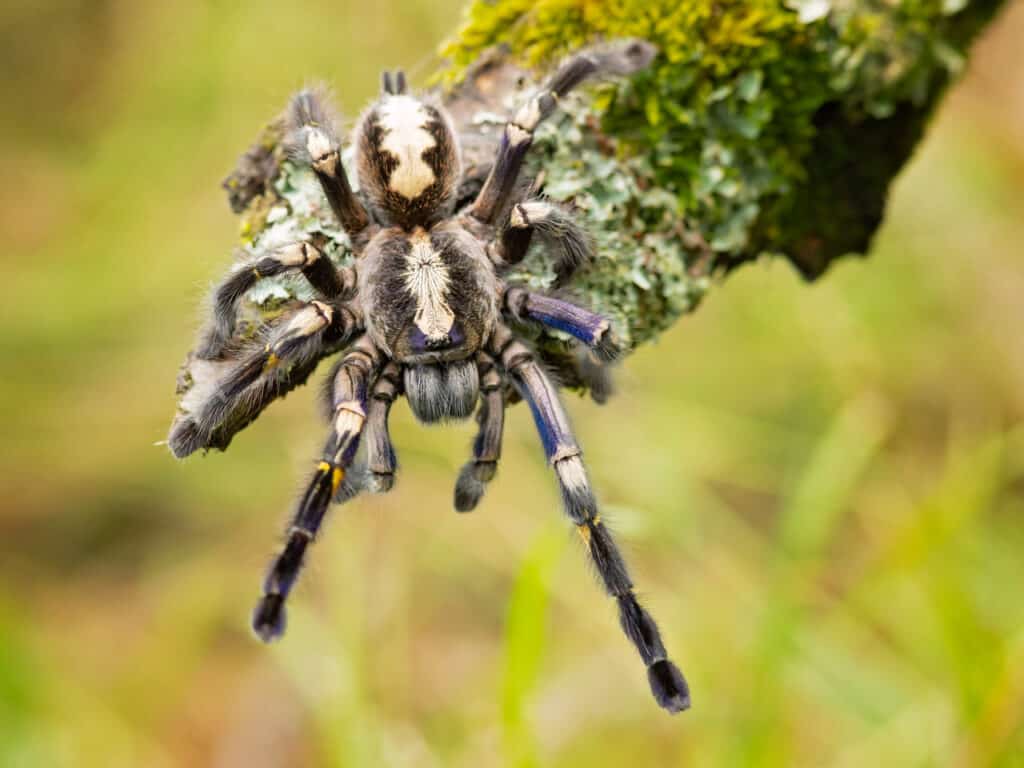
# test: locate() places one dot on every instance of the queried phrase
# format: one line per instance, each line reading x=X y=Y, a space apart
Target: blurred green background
x=821 y=488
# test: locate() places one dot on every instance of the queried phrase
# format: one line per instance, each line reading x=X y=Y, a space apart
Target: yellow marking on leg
x=596 y=519
x=272 y=361
x=584 y=531
x=336 y=477
x=323 y=466
x=257 y=273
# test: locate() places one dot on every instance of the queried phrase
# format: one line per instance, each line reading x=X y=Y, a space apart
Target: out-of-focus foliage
x=820 y=488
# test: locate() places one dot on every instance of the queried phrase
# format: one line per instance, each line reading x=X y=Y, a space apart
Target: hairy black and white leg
x=380 y=452
x=328 y=283
x=480 y=470
x=572 y=246
x=592 y=329
x=351 y=384
x=666 y=681
x=290 y=348
x=313 y=139
x=374 y=472
x=620 y=58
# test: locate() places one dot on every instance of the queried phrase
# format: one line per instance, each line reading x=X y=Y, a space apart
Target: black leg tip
x=184 y=439
x=669 y=686
x=599 y=395
x=380 y=482
x=469 y=489
x=268 y=620
x=624 y=57
x=468 y=496
x=608 y=349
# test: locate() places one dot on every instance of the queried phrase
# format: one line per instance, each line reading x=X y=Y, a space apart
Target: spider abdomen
x=442 y=391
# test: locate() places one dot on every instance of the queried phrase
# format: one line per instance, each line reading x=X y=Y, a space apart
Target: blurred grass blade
x=21 y=682
x=969 y=486
x=525 y=637
x=816 y=504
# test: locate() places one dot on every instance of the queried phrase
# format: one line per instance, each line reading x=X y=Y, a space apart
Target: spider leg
x=500 y=186
x=291 y=351
x=666 y=681
x=327 y=281
x=480 y=470
x=351 y=382
x=374 y=472
x=313 y=140
x=380 y=452
x=595 y=374
x=592 y=329
x=574 y=246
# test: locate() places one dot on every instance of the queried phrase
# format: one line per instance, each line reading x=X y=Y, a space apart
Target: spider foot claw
x=669 y=686
x=269 y=618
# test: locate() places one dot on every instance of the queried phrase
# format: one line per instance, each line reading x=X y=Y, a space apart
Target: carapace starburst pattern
x=425 y=313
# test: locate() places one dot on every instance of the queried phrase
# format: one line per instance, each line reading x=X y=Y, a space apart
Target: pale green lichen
x=640 y=278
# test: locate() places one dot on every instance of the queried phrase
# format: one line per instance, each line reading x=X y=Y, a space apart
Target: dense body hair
x=407 y=161
x=428 y=296
x=442 y=392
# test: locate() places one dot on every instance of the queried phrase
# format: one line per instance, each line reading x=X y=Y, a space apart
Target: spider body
x=425 y=313
x=431 y=300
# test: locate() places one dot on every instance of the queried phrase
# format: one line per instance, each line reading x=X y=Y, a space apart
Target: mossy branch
x=763 y=127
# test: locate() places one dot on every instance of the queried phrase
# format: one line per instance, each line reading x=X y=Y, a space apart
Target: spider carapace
x=424 y=313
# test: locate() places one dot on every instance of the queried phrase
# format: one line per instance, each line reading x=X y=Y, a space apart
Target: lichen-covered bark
x=776 y=126
x=763 y=127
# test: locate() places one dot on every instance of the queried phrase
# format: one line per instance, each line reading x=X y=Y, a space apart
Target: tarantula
x=424 y=313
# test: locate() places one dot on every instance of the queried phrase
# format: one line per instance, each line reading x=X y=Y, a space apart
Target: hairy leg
x=327 y=282
x=380 y=452
x=374 y=470
x=351 y=382
x=592 y=329
x=480 y=470
x=313 y=139
x=666 y=681
x=595 y=374
x=555 y=226
x=292 y=348
x=624 y=57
